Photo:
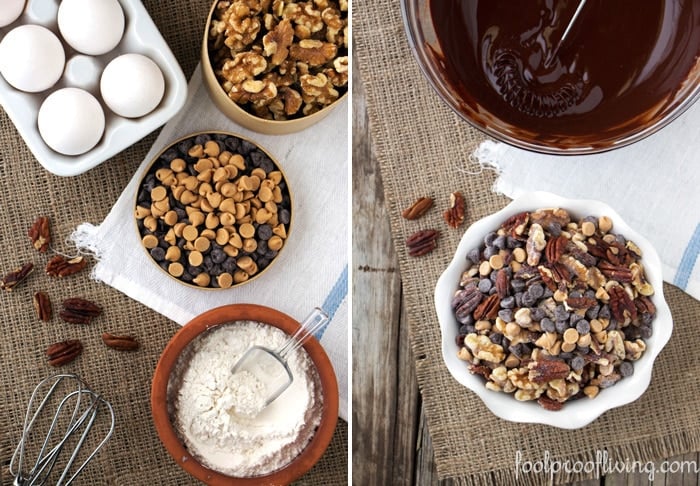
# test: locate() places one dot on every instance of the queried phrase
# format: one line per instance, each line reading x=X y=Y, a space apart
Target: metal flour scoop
x=262 y=374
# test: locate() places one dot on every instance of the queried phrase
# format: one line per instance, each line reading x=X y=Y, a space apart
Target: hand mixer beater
x=62 y=416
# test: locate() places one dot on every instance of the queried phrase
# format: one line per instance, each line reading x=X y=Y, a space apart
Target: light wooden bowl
x=159 y=396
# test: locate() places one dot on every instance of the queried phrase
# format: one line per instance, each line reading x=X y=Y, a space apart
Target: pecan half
x=616 y=272
x=42 y=305
x=466 y=300
x=555 y=248
x=40 y=234
x=15 y=277
x=488 y=309
x=549 y=404
x=515 y=225
x=621 y=305
x=79 y=311
x=60 y=266
x=645 y=305
x=545 y=370
x=454 y=215
x=580 y=302
x=479 y=369
x=418 y=208
x=120 y=342
x=63 y=352
x=502 y=283
x=422 y=242
x=545 y=217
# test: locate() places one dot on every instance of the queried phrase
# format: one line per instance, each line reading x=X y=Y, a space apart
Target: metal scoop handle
x=313 y=322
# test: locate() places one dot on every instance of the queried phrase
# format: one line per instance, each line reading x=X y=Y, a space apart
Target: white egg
x=132 y=85
x=71 y=121
x=92 y=27
x=10 y=11
x=31 y=58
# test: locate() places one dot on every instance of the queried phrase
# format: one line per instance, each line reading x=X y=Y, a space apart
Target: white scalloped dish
x=575 y=413
x=141 y=36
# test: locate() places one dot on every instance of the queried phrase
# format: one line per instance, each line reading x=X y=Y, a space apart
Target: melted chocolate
x=620 y=66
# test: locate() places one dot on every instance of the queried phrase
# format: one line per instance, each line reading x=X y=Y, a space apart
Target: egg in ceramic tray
x=83 y=80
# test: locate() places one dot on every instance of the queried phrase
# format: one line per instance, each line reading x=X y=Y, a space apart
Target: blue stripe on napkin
x=690 y=256
x=334 y=299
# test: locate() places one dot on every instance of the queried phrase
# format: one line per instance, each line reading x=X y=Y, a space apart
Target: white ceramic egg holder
x=141 y=36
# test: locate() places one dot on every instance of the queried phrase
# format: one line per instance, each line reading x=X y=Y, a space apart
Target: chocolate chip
x=245 y=147
x=490 y=251
x=264 y=232
x=537 y=314
x=583 y=327
x=547 y=325
x=217 y=255
x=561 y=326
x=577 y=363
x=626 y=369
x=202 y=138
x=490 y=238
x=284 y=216
x=506 y=315
x=485 y=285
x=508 y=302
x=473 y=255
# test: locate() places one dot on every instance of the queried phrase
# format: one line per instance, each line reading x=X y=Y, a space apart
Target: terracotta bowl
x=239 y=115
x=202 y=323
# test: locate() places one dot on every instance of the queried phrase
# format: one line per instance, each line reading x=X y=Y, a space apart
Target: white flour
x=212 y=418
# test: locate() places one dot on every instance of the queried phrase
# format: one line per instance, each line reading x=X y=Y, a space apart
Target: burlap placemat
x=423 y=149
x=134 y=455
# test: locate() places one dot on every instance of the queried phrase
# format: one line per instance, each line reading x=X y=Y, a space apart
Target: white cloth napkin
x=312 y=269
x=654 y=184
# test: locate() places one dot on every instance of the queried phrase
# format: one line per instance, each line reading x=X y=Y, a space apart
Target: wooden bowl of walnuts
x=278 y=68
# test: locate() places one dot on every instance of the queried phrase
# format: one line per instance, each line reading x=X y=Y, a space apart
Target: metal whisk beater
x=66 y=431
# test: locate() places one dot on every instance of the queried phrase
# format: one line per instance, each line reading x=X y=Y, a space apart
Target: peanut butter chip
x=588 y=228
x=190 y=233
x=173 y=254
x=236 y=241
x=240 y=276
x=159 y=193
x=195 y=258
x=275 y=243
x=571 y=336
x=496 y=262
x=150 y=241
x=178 y=165
x=222 y=236
x=202 y=244
x=265 y=194
x=225 y=280
x=202 y=279
x=247 y=230
x=170 y=218
x=176 y=269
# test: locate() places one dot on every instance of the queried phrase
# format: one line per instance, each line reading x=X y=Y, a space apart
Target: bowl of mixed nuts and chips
x=213 y=210
x=552 y=311
x=273 y=66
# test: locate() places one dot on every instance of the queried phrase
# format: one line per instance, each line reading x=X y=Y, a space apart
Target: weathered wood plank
x=384 y=386
x=426 y=473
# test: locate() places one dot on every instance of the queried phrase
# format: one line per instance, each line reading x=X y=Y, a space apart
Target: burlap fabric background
x=134 y=455
x=423 y=149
